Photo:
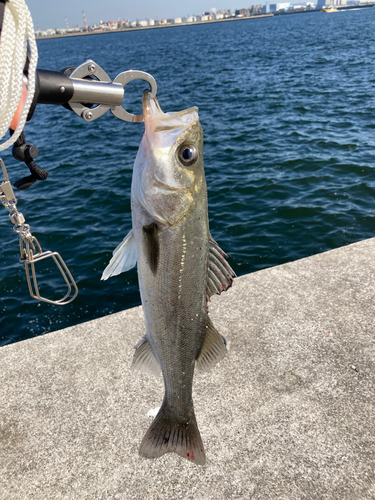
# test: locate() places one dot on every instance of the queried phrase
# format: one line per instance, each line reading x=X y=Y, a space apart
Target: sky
x=52 y=13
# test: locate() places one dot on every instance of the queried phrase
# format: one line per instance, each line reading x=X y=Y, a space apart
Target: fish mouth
x=151 y=106
x=152 y=111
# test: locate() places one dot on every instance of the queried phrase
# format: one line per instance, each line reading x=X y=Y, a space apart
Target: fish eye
x=187 y=155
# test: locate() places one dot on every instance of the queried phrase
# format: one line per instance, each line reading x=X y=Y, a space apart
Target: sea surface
x=287 y=106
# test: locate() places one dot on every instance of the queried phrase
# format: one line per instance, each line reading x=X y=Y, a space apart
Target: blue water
x=287 y=108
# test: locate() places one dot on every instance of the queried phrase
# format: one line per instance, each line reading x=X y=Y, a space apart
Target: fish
x=180 y=266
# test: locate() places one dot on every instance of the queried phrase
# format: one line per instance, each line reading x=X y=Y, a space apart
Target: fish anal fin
x=213 y=349
x=144 y=359
x=124 y=257
x=168 y=434
x=220 y=274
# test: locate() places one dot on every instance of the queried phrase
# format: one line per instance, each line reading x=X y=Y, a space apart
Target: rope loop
x=16 y=34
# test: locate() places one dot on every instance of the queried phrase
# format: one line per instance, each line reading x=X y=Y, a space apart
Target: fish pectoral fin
x=124 y=257
x=213 y=350
x=220 y=274
x=144 y=359
x=168 y=433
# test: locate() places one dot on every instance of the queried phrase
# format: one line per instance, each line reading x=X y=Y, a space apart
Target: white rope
x=17 y=30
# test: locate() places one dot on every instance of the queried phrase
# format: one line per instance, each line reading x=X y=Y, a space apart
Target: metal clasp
x=103 y=92
x=124 y=78
x=31 y=253
x=6 y=189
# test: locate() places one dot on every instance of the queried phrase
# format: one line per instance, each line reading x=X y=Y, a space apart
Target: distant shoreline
x=141 y=28
x=175 y=25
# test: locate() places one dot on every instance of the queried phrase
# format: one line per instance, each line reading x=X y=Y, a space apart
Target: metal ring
x=124 y=78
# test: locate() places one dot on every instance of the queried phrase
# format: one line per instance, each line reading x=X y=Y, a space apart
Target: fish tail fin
x=168 y=434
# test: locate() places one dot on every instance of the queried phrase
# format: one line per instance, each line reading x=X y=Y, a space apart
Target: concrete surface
x=289 y=414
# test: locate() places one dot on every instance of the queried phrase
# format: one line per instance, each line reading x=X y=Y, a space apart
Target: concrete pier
x=289 y=414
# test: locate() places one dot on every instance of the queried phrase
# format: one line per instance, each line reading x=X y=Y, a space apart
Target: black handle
x=53 y=87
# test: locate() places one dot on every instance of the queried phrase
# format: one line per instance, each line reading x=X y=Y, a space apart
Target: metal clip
x=6 y=187
x=103 y=92
x=31 y=253
x=124 y=78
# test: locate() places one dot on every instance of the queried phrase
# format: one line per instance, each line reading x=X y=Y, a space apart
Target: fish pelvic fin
x=213 y=350
x=144 y=359
x=168 y=434
x=220 y=274
x=124 y=257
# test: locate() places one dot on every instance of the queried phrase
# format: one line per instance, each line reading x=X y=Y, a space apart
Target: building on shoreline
x=206 y=16
x=212 y=15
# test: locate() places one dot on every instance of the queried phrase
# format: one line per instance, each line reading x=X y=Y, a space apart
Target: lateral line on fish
x=182 y=265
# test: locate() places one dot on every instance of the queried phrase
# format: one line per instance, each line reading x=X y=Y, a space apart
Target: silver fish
x=179 y=267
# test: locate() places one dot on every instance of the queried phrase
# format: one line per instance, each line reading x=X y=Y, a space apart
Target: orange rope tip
x=17 y=114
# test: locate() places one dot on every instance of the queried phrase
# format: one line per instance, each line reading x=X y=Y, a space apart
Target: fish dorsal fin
x=220 y=274
x=213 y=349
x=124 y=257
x=144 y=359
